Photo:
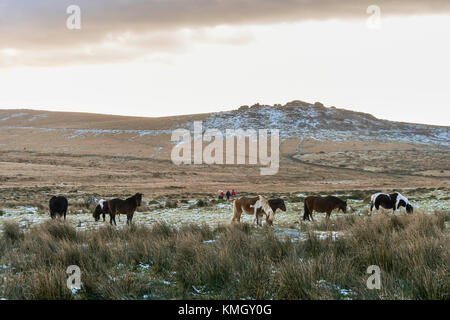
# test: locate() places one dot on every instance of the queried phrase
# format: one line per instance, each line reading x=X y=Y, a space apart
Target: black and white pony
x=101 y=209
x=390 y=201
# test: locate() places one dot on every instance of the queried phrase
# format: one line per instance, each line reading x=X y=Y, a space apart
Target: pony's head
x=269 y=220
x=403 y=203
x=343 y=206
x=97 y=213
x=138 y=197
x=282 y=205
x=409 y=208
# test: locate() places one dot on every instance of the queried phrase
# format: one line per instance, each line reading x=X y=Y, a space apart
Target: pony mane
x=375 y=196
x=134 y=197
x=265 y=205
x=102 y=203
x=337 y=199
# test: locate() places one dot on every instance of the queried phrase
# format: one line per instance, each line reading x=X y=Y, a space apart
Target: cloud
x=115 y=30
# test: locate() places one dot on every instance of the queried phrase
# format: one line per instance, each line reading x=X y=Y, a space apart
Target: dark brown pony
x=246 y=204
x=323 y=204
x=128 y=207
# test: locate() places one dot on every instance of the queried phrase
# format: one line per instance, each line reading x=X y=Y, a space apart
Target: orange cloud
x=116 y=30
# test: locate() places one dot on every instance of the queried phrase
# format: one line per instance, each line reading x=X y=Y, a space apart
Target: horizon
x=146 y=60
x=231 y=109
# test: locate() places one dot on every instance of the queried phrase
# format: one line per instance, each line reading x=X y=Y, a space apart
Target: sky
x=171 y=57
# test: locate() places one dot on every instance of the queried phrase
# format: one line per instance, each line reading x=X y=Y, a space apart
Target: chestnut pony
x=322 y=204
x=247 y=205
x=128 y=207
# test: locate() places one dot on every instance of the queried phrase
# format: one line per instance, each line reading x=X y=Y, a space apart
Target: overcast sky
x=158 y=58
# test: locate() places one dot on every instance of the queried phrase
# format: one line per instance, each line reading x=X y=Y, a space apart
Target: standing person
x=228 y=195
x=233 y=193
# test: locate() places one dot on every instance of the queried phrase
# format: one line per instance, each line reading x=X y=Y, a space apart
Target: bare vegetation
x=406 y=162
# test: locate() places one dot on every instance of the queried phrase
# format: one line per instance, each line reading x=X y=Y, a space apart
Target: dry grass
x=196 y=262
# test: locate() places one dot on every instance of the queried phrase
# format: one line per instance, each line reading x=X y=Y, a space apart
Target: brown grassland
x=230 y=262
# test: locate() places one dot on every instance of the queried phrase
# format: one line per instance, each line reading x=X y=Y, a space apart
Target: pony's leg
x=258 y=220
x=236 y=215
x=260 y=216
x=104 y=217
x=65 y=214
x=371 y=208
x=255 y=213
x=255 y=219
x=234 y=220
x=328 y=215
x=113 y=218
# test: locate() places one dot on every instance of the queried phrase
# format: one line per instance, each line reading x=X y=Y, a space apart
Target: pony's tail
x=234 y=211
x=306 y=213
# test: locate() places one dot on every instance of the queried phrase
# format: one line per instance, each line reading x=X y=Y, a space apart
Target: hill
x=321 y=149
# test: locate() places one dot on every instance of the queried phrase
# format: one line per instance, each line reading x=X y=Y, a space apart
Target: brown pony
x=128 y=207
x=247 y=205
x=323 y=204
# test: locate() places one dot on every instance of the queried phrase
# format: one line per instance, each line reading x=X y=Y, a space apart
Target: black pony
x=58 y=206
x=277 y=204
x=390 y=201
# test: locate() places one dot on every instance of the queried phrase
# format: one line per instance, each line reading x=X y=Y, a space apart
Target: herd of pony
x=258 y=206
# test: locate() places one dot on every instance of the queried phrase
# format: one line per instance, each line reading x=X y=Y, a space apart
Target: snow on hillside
x=318 y=122
x=82 y=133
x=295 y=119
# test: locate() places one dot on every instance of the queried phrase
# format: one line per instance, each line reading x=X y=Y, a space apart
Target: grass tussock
x=230 y=262
x=12 y=231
